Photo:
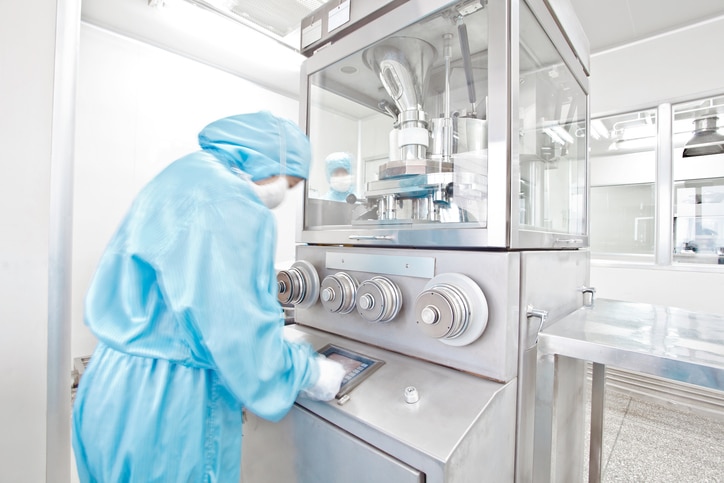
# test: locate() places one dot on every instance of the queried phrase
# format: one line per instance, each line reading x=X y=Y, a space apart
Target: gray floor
x=649 y=441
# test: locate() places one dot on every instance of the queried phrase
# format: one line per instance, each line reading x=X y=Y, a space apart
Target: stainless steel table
x=662 y=341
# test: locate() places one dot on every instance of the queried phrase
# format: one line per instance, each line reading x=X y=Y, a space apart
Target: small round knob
x=430 y=315
x=282 y=287
x=411 y=395
x=367 y=301
x=327 y=294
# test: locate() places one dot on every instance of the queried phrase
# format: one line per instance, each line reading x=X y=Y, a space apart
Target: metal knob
x=430 y=315
x=444 y=311
x=367 y=302
x=452 y=309
x=339 y=292
x=380 y=299
x=411 y=395
x=327 y=295
x=299 y=285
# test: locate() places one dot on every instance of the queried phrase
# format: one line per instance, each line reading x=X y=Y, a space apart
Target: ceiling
x=607 y=23
x=612 y=23
x=202 y=34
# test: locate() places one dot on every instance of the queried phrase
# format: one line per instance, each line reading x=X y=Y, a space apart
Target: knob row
x=451 y=308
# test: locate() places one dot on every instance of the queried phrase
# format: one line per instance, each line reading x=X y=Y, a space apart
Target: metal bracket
x=532 y=312
x=588 y=291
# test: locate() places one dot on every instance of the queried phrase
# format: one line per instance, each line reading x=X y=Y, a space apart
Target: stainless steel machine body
x=464 y=235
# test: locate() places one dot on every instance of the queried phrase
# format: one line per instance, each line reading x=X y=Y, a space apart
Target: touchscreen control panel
x=358 y=366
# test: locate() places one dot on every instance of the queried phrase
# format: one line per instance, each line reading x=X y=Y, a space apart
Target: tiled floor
x=647 y=441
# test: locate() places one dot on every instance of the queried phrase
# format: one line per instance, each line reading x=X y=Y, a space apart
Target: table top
x=663 y=341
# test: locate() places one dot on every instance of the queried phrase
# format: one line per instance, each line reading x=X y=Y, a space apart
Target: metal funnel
x=403 y=65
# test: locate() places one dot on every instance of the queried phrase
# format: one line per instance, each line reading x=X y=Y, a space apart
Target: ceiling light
x=706 y=140
x=598 y=129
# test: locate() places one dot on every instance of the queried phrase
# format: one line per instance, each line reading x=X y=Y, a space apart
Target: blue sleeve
x=218 y=278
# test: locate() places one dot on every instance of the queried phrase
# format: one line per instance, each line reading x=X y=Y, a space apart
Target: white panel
x=203 y=35
x=27 y=43
x=688 y=289
x=617 y=22
x=656 y=16
x=623 y=169
x=698 y=167
x=661 y=69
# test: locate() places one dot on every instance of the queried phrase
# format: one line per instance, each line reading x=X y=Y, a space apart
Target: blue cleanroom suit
x=334 y=162
x=184 y=306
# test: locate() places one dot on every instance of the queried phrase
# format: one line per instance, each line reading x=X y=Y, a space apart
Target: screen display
x=357 y=366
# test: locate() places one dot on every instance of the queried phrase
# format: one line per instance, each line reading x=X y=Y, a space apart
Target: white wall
x=665 y=68
x=32 y=102
x=138 y=109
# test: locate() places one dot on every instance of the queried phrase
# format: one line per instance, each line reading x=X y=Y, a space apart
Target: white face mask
x=341 y=183
x=272 y=194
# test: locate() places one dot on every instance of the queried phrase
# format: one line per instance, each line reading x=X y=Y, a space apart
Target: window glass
x=552 y=137
x=698 y=151
x=623 y=172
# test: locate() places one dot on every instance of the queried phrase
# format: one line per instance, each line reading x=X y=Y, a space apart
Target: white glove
x=329 y=381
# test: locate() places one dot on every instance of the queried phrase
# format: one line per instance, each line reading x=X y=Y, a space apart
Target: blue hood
x=253 y=143
x=338 y=160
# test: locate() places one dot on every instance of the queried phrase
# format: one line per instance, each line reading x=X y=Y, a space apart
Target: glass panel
x=623 y=173
x=699 y=221
x=622 y=219
x=698 y=128
x=552 y=137
x=398 y=129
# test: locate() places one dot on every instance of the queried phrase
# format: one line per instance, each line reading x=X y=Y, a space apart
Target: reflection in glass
x=623 y=171
x=699 y=127
x=699 y=221
x=698 y=142
x=622 y=219
x=552 y=194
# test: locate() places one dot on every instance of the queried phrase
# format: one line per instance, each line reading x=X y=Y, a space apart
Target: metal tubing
x=598 y=391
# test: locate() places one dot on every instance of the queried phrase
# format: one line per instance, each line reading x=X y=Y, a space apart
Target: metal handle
x=569 y=241
x=372 y=237
x=536 y=313
x=590 y=291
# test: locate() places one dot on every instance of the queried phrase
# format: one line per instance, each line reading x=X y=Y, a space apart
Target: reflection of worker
x=184 y=305
x=339 y=176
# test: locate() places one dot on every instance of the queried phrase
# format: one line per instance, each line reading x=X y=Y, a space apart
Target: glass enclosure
x=698 y=142
x=552 y=136
x=399 y=128
x=623 y=173
x=402 y=146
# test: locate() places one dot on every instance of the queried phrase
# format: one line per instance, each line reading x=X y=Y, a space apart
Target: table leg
x=598 y=390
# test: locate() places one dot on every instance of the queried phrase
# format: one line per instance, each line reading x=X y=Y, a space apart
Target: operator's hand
x=329 y=381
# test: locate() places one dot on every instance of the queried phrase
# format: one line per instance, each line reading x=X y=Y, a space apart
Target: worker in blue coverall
x=184 y=305
x=339 y=176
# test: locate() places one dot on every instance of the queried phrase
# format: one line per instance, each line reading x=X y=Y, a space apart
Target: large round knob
x=380 y=299
x=452 y=308
x=299 y=285
x=339 y=292
x=443 y=310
